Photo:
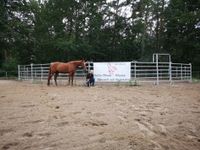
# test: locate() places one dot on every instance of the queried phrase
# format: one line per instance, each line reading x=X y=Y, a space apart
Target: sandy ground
x=104 y=117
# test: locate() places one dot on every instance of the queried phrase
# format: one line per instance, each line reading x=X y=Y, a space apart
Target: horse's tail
x=49 y=75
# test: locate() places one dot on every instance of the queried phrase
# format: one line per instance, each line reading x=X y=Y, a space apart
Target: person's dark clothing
x=90 y=79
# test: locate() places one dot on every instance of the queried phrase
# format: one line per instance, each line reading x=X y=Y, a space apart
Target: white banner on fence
x=112 y=72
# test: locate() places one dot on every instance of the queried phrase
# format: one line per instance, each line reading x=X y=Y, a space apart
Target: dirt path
x=34 y=116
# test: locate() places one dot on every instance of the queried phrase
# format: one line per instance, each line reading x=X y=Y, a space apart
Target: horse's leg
x=69 y=79
x=49 y=74
x=49 y=78
x=55 y=78
x=72 y=77
x=48 y=81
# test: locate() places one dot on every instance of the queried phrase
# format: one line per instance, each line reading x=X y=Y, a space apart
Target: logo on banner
x=111 y=69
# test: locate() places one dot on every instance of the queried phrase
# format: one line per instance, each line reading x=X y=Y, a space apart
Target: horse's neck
x=77 y=63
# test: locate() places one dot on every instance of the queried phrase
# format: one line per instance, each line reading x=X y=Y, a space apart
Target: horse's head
x=78 y=64
x=82 y=64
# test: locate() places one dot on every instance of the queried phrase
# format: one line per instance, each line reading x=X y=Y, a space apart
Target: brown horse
x=69 y=67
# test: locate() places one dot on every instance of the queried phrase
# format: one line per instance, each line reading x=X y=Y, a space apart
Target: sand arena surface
x=104 y=117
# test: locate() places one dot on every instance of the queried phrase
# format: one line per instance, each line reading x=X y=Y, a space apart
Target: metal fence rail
x=140 y=71
x=161 y=71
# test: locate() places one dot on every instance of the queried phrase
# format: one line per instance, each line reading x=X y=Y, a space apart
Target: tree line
x=42 y=31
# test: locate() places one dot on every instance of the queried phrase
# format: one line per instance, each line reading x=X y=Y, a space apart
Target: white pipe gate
x=155 y=71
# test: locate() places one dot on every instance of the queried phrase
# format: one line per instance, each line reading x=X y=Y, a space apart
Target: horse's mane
x=76 y=61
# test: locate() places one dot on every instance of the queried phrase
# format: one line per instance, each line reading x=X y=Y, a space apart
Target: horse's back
x=63 y=67
x=54 y=65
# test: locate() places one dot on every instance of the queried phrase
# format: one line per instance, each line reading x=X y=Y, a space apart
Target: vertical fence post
x=89 y=66
x=170 y=72
x=32 y=72
x=185 y=74
x=135 y=71
x=92 y=65
x=41 y=72
x=190 y=72
x=18 y=72
x=157 y=70
x=181 y=72
x=27 y=73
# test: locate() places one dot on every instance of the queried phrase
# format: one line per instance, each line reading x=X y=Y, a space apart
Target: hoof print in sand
x=9 y=145
x=95 y=123
x=28 y=134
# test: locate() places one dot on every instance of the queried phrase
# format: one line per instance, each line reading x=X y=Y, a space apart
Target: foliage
x=60 y=30
x=182 y=39
x=10 y=65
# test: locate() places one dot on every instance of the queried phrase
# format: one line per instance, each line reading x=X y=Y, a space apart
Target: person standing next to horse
x=90 y=79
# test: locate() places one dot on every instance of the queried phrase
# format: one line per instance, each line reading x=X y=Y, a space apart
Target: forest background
x=43 y=31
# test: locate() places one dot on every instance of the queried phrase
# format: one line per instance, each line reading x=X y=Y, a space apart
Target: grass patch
x=133 y=83
x=196 y=80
